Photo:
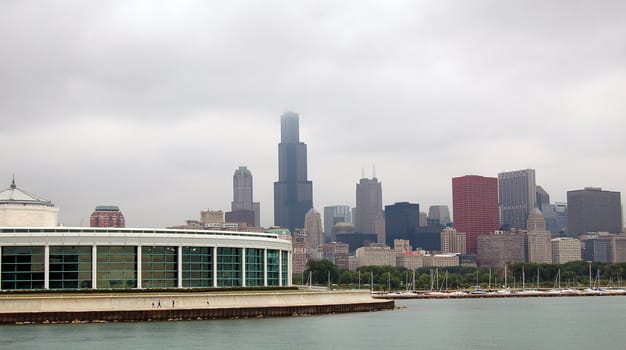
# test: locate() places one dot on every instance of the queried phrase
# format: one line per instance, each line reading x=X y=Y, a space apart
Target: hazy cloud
x=153 y=106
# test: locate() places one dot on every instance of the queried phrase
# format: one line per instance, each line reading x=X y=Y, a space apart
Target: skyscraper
x=475 y=207
x=594 y=210
x=293 y=193
x=518 y=197
x=537 y=241
x=402 y=221
x=334 y=215
x=313 y=227
x=440 y=213
x=243 y=195
x=543 y=198
x=369 y=216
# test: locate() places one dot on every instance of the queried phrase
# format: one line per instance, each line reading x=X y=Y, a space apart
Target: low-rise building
x=411 y=260
x=376 y=255
x=498 y=248
x=441 y=260
x=565 y=249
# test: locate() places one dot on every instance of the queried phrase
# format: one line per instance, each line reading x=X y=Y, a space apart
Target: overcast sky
x=153 y=106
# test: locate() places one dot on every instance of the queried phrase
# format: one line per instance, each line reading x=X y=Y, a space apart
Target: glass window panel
x=116 y=267
x=22 y=267
x=272 y=268
x=255 y=267
x=66 y=263
x=229 y=267
x=159 y=267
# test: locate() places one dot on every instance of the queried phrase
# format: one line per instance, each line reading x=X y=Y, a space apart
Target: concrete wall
x=28 y=216
x=113 y=302
x=196 y=306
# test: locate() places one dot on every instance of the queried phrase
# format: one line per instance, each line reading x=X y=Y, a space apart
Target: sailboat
x=477 y=289
x=505 y=288
x=556 y=289
x=524 y=290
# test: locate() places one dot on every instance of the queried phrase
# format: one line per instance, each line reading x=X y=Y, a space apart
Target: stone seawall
x=182 y=306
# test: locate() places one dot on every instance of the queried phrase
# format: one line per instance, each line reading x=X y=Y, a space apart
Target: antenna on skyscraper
x=362 y=173
x=373 y=171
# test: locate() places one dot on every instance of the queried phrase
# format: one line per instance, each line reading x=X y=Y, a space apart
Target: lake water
x=512 y=323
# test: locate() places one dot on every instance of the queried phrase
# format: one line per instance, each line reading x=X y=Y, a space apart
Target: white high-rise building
x=313 y=227
x=453 y=241
x=537 y=242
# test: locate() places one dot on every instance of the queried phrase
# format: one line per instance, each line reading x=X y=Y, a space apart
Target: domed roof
x=14 y=195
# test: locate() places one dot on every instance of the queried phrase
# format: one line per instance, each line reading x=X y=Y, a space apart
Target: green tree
x=320 y=271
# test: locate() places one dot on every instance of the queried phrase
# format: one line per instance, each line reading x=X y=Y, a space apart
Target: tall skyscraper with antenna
x=293 y=192
x=369 y=215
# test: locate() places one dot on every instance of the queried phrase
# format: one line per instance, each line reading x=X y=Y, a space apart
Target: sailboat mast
x=589 y=275
x=505 y=285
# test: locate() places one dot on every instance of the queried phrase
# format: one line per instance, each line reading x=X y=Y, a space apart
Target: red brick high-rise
x=107 y=216
x=475 y=207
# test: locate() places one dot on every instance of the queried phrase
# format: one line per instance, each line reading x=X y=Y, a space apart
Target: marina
x=502 y=293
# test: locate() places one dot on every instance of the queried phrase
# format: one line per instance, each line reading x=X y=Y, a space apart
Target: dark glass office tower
x=402 y=221
x=594 y=210
x=293 y=193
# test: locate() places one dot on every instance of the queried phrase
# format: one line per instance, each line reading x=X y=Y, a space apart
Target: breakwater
x=182 y=306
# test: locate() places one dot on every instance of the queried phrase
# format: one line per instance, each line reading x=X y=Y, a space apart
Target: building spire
x=13 y=182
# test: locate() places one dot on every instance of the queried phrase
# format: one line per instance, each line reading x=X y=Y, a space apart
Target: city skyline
x=145 y=106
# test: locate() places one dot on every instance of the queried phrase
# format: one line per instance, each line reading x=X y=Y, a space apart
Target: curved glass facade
x=77 y=258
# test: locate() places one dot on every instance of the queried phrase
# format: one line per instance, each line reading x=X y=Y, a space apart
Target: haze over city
x=153 y=107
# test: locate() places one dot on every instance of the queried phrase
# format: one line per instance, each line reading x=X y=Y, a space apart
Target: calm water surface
x=515 y=323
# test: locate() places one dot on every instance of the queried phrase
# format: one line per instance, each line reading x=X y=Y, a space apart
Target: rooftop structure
x=24 y=209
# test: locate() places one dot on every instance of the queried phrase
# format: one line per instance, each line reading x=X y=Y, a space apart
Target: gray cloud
x=152 y=107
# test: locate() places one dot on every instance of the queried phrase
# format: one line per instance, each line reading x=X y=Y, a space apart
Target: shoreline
x=47 y=309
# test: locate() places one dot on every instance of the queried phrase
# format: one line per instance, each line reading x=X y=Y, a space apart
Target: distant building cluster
x=495 y=220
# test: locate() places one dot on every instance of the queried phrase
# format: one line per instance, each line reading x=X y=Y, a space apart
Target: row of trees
x=572 y=274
